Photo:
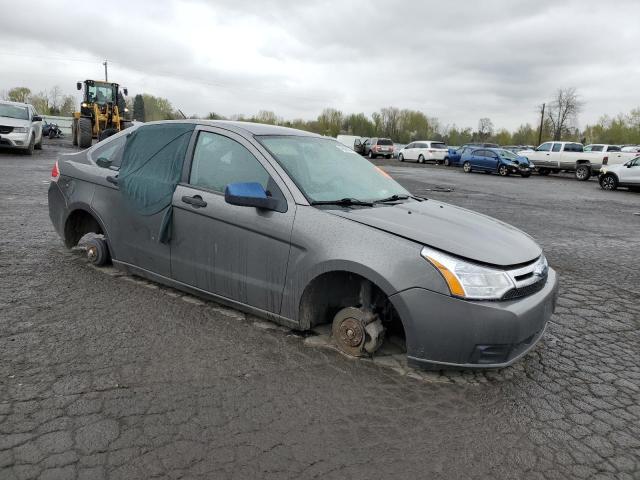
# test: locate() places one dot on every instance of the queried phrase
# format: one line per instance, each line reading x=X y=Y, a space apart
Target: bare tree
x=563 y=111
x=485 y=128
x=54 y=96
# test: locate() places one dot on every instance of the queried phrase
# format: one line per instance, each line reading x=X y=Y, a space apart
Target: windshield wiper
x=392 y=198
x=343 y=202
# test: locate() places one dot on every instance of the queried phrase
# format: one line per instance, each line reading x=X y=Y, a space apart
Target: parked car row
x=615 y=165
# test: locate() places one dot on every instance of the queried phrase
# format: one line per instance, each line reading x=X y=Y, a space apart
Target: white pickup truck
x=556 y=156
x=617 y=155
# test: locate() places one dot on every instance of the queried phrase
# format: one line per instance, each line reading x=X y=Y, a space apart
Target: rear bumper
x=445 y=331
x=437 y=156
x=58 y=211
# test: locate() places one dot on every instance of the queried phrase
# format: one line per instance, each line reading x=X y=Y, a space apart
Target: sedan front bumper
x=450 y=332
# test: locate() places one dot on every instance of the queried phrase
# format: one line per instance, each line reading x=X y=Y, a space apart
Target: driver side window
x=219 y=161
x=545 y=147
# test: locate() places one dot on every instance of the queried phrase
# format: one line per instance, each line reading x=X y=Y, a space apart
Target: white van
x=350 y=140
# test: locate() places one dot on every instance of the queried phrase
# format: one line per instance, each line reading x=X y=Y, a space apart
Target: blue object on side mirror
x=249 y=194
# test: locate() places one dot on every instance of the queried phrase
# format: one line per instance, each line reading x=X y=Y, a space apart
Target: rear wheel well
x=330 y=292
x=78 y=224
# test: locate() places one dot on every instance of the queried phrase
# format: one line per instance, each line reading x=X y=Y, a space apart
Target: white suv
x=20 y=126
x=626 y=175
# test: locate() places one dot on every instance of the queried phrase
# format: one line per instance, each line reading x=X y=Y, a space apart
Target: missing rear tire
x=97 y=251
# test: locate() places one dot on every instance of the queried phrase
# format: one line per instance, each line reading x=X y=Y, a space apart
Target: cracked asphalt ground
x=106 y=376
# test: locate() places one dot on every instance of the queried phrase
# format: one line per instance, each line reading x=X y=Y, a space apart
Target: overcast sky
x=455 y=60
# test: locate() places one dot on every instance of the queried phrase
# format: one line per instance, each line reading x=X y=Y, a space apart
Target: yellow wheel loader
x=102 y=112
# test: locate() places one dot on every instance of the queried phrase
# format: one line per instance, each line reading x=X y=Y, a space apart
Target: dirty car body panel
x=263 y=260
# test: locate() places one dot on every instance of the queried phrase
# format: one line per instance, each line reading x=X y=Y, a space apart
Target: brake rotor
x=357 y=332
x=348 y=331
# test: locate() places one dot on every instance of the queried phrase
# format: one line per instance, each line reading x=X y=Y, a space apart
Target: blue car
x=454 y=154
x=495 y=160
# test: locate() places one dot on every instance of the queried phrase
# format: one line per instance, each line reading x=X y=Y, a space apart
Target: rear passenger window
x=219 y=161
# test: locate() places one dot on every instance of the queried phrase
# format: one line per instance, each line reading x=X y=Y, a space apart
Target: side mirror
x=125 y=91
x=103 y=162
x=36 y=118
x=249 y=194
x=79 y=85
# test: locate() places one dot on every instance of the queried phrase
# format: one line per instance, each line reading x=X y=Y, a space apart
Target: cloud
x=457 y=61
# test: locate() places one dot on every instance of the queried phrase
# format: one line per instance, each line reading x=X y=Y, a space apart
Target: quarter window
x=219 y=161
x=111 y=151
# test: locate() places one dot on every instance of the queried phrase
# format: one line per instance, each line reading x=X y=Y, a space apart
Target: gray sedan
x=301 y=230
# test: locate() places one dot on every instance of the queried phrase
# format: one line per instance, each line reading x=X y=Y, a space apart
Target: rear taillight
x=605 y=161
x=55 y=172
x=431 y=151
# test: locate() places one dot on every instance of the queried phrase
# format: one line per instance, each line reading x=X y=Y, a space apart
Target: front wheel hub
x=357 y=332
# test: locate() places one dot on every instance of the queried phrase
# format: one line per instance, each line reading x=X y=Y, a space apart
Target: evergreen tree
x=138 y=108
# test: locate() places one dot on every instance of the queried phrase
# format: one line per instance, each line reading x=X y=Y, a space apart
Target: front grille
x=526 y=290
x=5 y=129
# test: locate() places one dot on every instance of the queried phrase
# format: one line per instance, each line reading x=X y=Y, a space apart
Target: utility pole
x=106 y=76
x=541 y=124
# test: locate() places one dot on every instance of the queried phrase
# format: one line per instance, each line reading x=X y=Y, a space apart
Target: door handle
x=112 y=179
x=195 y=201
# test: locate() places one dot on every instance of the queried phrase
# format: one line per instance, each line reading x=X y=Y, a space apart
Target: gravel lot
x=106 y=376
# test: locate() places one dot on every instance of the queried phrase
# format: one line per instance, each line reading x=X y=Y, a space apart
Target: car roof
x=246 y=127
x=17 y=104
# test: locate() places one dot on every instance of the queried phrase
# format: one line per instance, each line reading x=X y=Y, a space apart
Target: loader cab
x=99 y=92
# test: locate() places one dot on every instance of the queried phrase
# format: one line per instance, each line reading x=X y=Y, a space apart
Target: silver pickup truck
x=571 y=156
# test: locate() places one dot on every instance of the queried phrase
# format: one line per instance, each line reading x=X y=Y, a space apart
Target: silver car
x=20 y=126
x=301 y=230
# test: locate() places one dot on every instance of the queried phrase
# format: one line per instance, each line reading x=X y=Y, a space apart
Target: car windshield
x=14 y=111
x=438 y=145
x=326 y=170
x=385 y=141
x=508 y=154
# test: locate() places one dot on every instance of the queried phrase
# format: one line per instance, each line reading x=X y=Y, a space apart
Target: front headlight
x=20 y=129
x=469 y=280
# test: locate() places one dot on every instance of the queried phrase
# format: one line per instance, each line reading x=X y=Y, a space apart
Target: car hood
x=451 y=229
x=14 y=122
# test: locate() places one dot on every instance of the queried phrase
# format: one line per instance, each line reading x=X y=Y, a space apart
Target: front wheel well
x=330 y=292
x=78 y=224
